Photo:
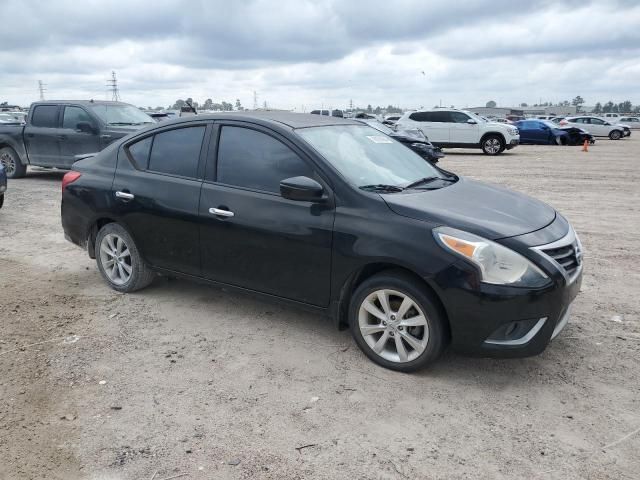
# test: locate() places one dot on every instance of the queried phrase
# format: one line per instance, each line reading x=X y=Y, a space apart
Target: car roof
x=288 y=119
x=79 y=102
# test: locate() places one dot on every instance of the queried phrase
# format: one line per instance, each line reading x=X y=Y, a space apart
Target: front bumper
x=500 y=321
x=513 y=143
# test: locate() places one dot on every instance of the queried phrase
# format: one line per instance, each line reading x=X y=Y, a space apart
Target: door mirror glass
x=471 y=121
x=303 y=189
x=85 y=127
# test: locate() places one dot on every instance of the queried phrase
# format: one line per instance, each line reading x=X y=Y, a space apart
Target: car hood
x=486 y=210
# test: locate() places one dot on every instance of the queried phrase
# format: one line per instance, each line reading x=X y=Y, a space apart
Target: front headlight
x=514 y=131
x=498 y=265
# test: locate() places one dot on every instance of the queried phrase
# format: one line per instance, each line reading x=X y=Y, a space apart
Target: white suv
x=461 y=129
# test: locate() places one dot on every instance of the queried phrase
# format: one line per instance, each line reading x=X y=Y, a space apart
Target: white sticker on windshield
x=379 y=139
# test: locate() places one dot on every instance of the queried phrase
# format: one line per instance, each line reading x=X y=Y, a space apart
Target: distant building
x=499 y=112
x=502 y=112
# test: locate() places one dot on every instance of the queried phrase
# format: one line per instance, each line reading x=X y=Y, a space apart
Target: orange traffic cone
x=585 y=147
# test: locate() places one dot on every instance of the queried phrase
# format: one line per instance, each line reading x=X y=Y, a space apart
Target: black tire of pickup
x=13 y=166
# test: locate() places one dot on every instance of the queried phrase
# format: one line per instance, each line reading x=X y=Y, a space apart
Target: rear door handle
x=221 y=213
x=125 y=195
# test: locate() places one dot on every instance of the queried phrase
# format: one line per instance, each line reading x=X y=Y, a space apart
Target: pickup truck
x=57 y=131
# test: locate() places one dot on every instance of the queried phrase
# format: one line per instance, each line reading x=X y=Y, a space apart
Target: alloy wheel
x=492 y=145
x=393 y=325
x=8 y=162
x=115 y=259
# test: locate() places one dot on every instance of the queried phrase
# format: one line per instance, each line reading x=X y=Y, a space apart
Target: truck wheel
x=615 y=135
x=492 y=145
x=11 y=163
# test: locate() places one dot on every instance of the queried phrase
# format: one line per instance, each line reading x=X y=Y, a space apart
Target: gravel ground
x=187 y=379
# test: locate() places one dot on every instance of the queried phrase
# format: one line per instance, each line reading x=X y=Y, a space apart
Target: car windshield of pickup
x=121 y=115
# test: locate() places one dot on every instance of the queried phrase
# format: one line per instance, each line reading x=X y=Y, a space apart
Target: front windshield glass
x=121 y=114
x=477 y=118
x=379 y=126
x=364 y=156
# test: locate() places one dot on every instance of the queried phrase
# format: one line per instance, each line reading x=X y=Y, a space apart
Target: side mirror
x=302 y=189
x=85 y=127
x=471 y=122
x=607 y=124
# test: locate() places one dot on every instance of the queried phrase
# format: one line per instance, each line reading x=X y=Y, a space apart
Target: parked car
x=3 y=184
x=632 y=122
x=7 y=118
x=328 y=113
x=595 y=126
x=391 y=120
x=545 y=132
x=459 y=128
x=537 y=132
x=414 y=139
x=57 y=131
x=329 y=215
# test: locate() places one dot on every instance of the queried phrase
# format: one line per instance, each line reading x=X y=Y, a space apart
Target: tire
x=492 y=145
x=1 y=200
x=615 y=135
x=12 y=163
x=129 y=274
x=422 y=343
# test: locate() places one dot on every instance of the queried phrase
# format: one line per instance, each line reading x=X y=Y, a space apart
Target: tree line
x=578 y=101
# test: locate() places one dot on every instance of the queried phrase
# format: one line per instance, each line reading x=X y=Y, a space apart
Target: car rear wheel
x=11 y=163
x=119 y=260
x=615 y=135
x=395 y=322
x=493 y=145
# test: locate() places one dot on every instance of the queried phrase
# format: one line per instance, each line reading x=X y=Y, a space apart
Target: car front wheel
x=395 y=322
x=119 y=260
x=493 y=145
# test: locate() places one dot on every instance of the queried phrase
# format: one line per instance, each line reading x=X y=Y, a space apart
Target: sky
x=299 y=54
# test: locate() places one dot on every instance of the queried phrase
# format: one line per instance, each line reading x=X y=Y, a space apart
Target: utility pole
x=255 y=100
x=112 y=83
x=41 y=89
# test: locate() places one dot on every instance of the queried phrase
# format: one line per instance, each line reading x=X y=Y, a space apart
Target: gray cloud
x=316 y=50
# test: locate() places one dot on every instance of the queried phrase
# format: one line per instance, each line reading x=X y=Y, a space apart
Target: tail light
x=70 y=177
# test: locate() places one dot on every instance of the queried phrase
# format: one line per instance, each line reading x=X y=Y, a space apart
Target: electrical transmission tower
x=112 y=83
x=255 y=100
x=41 y=89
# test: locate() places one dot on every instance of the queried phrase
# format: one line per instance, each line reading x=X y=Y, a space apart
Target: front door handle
x=125 y=195
x=221 y=213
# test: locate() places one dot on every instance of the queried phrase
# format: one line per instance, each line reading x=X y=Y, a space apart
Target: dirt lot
x=187 y=379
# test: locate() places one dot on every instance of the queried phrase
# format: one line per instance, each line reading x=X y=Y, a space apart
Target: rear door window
x=45 y=116
x=252 y=159
x=176 y=152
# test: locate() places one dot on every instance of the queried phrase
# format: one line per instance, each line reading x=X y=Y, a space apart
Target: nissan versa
x=334 y=216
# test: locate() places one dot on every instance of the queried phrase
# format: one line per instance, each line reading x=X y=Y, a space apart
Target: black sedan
x=414 y=139
x=332 y=216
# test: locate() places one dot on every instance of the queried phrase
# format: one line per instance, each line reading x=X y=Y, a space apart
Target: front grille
x=568 y=256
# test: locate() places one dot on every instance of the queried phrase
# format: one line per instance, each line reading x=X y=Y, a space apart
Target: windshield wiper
x=121 y=123
x=425 y=180
x=381 y=187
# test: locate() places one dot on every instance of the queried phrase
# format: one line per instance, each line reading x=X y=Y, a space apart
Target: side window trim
x=204 y=148
x=259 y=128
x=58 y=115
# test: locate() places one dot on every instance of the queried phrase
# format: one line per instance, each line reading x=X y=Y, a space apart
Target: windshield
x=477 y=118
x=366 y=157
x=121 y=114
x=549 y=123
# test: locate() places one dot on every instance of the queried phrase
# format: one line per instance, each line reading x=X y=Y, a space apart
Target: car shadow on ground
x=321 y=331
